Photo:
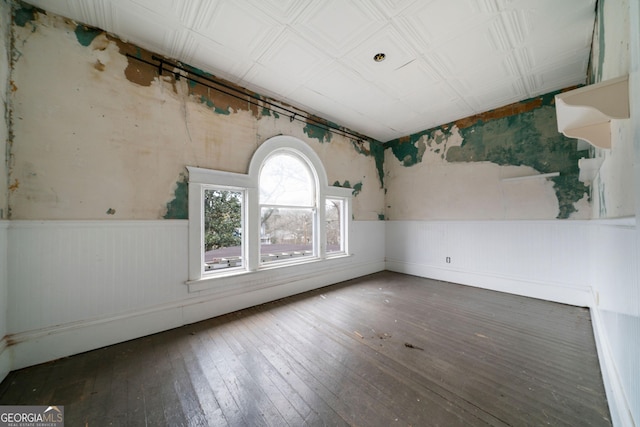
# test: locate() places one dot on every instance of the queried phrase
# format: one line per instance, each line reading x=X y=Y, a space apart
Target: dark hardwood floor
x=383 y=350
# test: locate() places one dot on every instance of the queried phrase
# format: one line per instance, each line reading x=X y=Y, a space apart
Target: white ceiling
x=446 y=59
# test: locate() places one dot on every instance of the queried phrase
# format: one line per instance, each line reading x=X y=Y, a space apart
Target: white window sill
x=240 y=280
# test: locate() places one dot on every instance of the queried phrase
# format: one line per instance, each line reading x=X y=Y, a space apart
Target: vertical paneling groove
x=617 y=292
x=5 y=359
x=529 y=251
x=68 y=274
x=65 y=272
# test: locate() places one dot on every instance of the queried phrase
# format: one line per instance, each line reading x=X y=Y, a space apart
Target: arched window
x=288 y=207
x=282 y=212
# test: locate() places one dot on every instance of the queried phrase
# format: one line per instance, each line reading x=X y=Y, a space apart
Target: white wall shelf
x=586 y=113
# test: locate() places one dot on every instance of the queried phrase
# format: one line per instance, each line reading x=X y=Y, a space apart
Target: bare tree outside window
x=287 y=208
x=333 y=215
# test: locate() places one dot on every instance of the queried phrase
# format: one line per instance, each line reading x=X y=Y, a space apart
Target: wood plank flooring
x=383 y=350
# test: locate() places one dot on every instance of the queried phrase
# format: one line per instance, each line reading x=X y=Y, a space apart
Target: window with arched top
x=288 y=207
x=281 y=213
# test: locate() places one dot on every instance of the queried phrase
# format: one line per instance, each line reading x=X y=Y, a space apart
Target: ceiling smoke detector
x=379 y=57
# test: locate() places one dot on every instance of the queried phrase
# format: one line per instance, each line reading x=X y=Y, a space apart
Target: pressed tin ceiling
x=444 y=59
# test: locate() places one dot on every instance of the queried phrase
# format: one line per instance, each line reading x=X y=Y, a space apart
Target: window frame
x=316 y=231
x=243 y=221
x=201 y=179
x=344 y=226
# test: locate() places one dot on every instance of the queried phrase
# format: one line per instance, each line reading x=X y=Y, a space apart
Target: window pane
x=285 y=233
x=334 y=209
x=286 y=180
x=222 y=229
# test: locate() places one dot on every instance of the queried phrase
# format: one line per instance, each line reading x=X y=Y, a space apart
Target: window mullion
x=253 y=229
x=196 y=236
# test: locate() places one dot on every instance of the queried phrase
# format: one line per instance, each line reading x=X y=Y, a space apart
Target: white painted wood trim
x=38 y=346
x=556 y=292
x=135 y=223
x=618 y=405
x=5 y=352
x=5 y=359
x=249 y=281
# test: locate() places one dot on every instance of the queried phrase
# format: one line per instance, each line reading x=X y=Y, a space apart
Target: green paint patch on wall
x=346 y=184
x=529 y=139
x=376 y=150
x=178 y=208
x=318 y=131
x=357 y=188
x=410 y=149
x=85 y=35
x=24 y=14
x=521 y=134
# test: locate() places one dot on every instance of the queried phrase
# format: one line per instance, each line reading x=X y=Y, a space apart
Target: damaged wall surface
x=613 y=186
x=471 y=169
x=99 y=134
x=5 y=48
x=5 y=71
x=97 y=191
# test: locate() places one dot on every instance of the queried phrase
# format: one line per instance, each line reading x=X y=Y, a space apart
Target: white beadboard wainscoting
x=615 y=313
x=74 y=286
x=540 y=259
x=5 y=361
x=585 y=263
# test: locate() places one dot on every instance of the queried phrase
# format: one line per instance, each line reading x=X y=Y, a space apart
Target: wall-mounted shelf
x=585 y=113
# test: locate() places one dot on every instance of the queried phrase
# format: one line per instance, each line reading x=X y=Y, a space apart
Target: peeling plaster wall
x=5 y=71
x=99 y=135
x=613 y=187
x=5 y=40
x=465 y=170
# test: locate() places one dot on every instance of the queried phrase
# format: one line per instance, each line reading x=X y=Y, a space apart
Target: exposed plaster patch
x=523 y=133
x=111 y=118
x=224 y=103
x=15 y=185
x=220 y=102
x=136 y=71
x=209 y=103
